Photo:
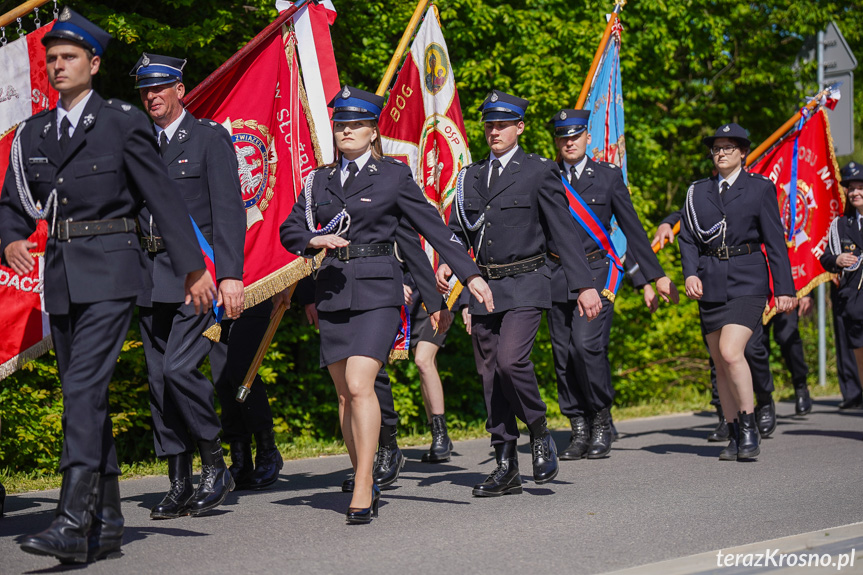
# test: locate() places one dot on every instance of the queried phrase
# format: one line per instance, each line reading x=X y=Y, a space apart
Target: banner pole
x=597 y=57
x=271 y=29
x=402 y=47
x=822 y=290
x=20 y=11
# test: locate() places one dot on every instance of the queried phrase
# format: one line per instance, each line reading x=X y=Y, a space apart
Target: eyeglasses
x=727 y=149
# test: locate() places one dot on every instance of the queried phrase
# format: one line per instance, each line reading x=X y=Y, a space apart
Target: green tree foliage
x=687 y=66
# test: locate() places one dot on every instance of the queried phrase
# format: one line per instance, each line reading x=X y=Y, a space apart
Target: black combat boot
x=721 y=431
x=66 y=537
x=747 y=446
x=216 y=481
x=802 y=403
x=441 y=446
x=579 y=439
x=765 y=414
x=176 y=501
x=600 y=436
x=544 y=452
x=241 y=468
x=389 y=459
x=106 y=533
x=505 y=479
x=730 y=451
x=268 y=461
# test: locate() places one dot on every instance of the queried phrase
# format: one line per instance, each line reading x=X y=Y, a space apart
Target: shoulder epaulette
x=537 y=157
x=40 y=114
x=210 y=123
x=608 y=165
x=392 y=160
x=701 y=181
x=119 y=105
x=758 y=176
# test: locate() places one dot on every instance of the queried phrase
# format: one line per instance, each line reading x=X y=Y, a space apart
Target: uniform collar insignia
x=588 y=169
x=182 y=135
x=333 y=171
x=373 y=167
x=45 y=129
x=88 y=119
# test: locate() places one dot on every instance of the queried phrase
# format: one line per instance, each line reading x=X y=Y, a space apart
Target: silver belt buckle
x=723 y=252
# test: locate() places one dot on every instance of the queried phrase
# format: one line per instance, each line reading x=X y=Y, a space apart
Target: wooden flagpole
x=402 y=47
x=597 y=57
x=20 y=11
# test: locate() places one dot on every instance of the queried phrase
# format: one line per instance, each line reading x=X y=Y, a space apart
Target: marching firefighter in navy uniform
x=580 y=346
x=727 y=219
x=508 y=206
x=86 y=167
x=843 y=256
x=358 y=205
x=201 y=160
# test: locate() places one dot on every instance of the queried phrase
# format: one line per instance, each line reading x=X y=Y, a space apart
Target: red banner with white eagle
x=422 y=124
x=803 y=167
x=24 y=91
x=259 y=102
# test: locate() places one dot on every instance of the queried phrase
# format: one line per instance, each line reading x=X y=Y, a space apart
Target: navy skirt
x=370 y=333
x=744 y=310
x=422 y=329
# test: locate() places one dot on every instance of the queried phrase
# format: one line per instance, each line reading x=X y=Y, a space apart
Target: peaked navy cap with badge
x=852 y=172
x=501 y=107
x=733 y=131
x=154 y=70
x=353 y=104
x=570 y=122
x=73 y=27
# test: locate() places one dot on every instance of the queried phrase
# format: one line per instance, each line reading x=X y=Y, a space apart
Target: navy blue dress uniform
x=359 y=288
x=94 y=271
x=509 y=226
x=201 y=161
x=580 y=347
x=845 y=237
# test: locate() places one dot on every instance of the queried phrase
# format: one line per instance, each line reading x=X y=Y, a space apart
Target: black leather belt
x=725 y=252
x=362 y=251
x=591 y=257
x=497 y=271
x=68 y=229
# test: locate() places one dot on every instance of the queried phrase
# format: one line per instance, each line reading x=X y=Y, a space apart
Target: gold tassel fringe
x=397 y=354
x=28 y=355
x=454 y=295
x=214 y=332
x=802 y=292
x=609 y=295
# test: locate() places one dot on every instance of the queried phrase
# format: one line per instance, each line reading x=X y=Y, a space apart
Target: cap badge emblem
x=563 y=115
x=726 y=129
x=494 y=97
x=145 y=61
x=65 y=15
x=346 y=93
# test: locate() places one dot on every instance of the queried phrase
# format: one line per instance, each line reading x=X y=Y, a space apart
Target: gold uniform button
x=95 y=167
x=59 y=180
x=64 y=201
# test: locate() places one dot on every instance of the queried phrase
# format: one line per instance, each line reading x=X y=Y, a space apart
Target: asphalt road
x=662 y=496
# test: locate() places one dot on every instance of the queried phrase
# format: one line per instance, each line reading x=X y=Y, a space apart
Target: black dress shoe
x=851 y=403
x=441 y=446
x=364 y=515
x=348 y=483
x=721 y=431
x=215 y=482
x=802 y=401
x=730 y=451
x=765 y=415
x=241 y=468
x=544 y=452
x=505 y=479
x=389 y=459
x=747 y=445
x=268 y=461
x=106 y=532
x=66 y=537
x=176 y=501
x=600 y=436
x=579 y=440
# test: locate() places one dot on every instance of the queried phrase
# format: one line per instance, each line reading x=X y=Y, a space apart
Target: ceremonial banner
x=422 y=124
x=605 y=126
x=258 y=102
x=804 y=169
x=24 y=91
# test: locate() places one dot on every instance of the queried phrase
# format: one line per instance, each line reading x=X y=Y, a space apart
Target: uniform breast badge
x=257 y=160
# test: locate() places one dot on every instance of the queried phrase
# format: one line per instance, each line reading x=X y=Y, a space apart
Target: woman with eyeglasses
x=728 y=218
x=353 y=209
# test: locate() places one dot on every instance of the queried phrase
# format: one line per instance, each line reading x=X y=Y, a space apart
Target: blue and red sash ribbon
x=210 y=263
x=588 y=220
x=402 y=343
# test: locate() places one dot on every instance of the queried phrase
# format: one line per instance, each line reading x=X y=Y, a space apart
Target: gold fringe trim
x=802 y=292
x=26 y=356
x=833 y=157
x=454 y=295
x=214 y=332
x=9 y=131
x=281 y=279
x=397 y=354
x=609 y=295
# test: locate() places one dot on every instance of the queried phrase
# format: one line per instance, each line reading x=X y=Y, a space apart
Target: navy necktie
x=65 y=138
x=495 y=173
x=352 y=174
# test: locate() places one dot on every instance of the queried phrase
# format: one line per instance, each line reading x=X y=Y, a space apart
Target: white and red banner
x=24 y=91
x=258 y=102
x=803 y=167
x=422 y=124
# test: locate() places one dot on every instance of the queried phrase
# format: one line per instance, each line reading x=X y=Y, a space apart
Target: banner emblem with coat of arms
x=257 y=160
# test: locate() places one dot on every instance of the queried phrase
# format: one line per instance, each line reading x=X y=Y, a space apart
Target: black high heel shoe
x=363 y=515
